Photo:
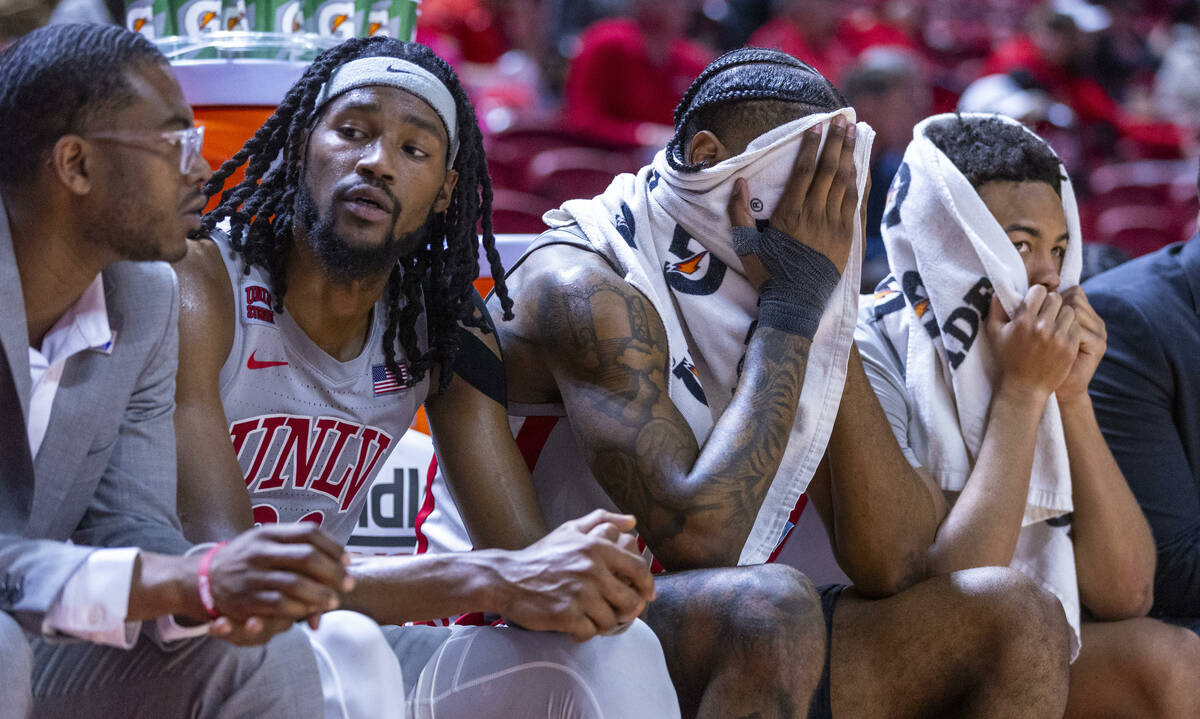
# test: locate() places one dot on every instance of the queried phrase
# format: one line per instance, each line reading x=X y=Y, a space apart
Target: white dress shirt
x=95 y=600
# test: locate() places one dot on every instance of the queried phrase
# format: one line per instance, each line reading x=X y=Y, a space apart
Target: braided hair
x=748 y=87
x=437 y=278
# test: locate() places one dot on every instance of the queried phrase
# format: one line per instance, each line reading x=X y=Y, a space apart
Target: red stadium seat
x=576 y=172
x=508 y=159
x=1148 y=175
x=1188 y=230
x=519 y=212
x=1129 y=195
x=1143 y=205
x=1139 y=229
x=511 y=151
x=527 y=140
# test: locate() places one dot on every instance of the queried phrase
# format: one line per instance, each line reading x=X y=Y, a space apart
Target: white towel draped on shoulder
x=669 y=233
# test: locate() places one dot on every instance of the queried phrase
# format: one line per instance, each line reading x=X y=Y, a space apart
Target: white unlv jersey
x=562 y=480
x=310 y=432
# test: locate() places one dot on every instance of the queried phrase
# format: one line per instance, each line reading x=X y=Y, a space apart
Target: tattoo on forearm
x=604 y=335
x=755 y=429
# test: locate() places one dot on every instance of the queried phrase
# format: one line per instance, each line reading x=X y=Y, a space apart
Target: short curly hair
x=988 y=149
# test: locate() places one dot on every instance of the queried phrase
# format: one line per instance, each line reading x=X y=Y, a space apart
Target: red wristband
x=205 y=583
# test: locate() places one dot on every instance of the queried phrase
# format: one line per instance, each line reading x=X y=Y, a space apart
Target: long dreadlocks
x=436 y=279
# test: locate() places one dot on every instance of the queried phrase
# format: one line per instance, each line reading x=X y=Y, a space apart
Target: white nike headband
x=402 y=74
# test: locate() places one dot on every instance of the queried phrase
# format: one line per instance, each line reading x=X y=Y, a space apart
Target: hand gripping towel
x=669 y=233
x=948 y=254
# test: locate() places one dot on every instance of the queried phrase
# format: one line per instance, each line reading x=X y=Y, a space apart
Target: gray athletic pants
x=196 y=679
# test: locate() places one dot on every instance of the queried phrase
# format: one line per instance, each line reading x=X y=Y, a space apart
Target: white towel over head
x=948 y=253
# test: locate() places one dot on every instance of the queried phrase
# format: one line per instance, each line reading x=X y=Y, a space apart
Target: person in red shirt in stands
x=807 y=29
x=472 y=27
x=1050 y=54
x=631 y=72
x=882 y=23
x=826 y=36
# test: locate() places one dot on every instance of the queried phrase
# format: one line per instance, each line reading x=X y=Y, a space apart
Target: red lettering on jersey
x=363 y=468
x=296 y=447
x=300 y=448
x=265 y=514
x=258 y=304
x=314 y=517
x=345 y=431
x=238 y=431
x=260 y=313
x=257 y=294
x=269 y=425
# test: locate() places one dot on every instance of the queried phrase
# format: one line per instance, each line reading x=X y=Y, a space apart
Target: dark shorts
x=821 y=706
x=1192 y=623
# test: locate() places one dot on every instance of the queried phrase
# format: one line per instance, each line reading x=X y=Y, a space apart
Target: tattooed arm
x=605 y=350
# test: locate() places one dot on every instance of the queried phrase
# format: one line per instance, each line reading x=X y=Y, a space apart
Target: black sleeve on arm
x=477 y=364
x=1132 y=392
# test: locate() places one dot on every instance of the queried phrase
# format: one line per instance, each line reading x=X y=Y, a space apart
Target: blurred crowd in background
x=571 y=92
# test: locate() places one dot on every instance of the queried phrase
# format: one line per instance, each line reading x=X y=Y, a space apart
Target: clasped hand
x=584 y=578
x=1053 y=342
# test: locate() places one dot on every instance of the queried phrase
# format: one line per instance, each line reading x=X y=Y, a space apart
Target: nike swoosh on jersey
x=252 y=363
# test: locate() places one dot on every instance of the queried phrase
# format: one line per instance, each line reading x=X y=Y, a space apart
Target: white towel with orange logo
x=669 y=233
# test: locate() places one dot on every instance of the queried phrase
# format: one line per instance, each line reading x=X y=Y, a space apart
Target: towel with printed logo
x=669 y=233
x=948 y=255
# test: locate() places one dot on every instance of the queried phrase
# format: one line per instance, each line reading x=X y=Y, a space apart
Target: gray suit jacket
x=105 y=473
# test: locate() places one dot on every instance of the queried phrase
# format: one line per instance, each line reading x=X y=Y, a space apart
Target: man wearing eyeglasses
x=186 y=142
x=101 y=175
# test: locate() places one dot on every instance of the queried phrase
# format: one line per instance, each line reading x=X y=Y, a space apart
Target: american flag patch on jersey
x=385 y=381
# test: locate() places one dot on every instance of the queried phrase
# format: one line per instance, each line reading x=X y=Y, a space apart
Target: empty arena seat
x=1139 y=229
x=519 y=212
x=1141 y=173
x=569 y=173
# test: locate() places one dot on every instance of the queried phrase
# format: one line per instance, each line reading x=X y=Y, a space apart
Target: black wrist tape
x=802 y=280
x=745 y=240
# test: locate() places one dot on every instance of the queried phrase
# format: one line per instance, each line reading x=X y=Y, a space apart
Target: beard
x=137 y=228
x=339 y=257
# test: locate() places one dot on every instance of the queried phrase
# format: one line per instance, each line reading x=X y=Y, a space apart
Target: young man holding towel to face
x=980 y=346
x=669 y=359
